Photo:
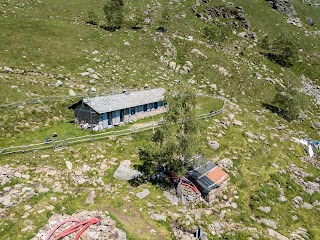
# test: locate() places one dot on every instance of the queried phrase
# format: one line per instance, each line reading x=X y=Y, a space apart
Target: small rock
x=72 y=93
x=59 y=83
x=126 y=43
x=237 y=122
x=173 y=199
x=8 y=70
x=269 y=223
x=214 y=144
x=159 y=217
x=69 y=165
x=282 y=199
x=309 y=21
x=85 y=74
x=306 y=205
x=143 y=194
x=90 y=70
x=91 y=197
x=265 y=209
x=78 y=172
x=213 y=86
x=276 y=235
x=6 y=201
x=44 y=156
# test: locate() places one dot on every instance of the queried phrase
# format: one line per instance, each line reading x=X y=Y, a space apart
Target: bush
x=92 y=18
x=290 y=101
x=282 y=50
x=114 y=13
x=216 y=33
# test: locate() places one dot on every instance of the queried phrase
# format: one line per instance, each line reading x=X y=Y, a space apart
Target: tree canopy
x=173 y=145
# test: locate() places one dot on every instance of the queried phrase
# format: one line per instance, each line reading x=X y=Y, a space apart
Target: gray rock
x=59 y=83
x=126 y=43
x=8 y=70
x=214 y=144
x=6 y=201
x=213 y=86
x=143 y=194
x=93 y=89
x=69 y=165
x=125 y=172
x=234 y=205
x=191 y=81
x=198 y=53
x=237 y=122
x=265 y=209
x=90 y=70
x=72 y=93
x=282 y=199
x=91 y=197
x=95 y=76
x=269 y=223
x=44 y=156
x=158 y=217
x=283 y=6
x=85 y=74
x=225 y=163
x=275 y=235
x=306 y=205
x=297 y=201
x=173 y=199
x=250 y=135
x=309 y=21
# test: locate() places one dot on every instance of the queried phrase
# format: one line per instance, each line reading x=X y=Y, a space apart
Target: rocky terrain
x=50 y=58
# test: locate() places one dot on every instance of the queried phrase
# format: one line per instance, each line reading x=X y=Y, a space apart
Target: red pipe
x=76 y=227
x=59 y=225
x=94 y=221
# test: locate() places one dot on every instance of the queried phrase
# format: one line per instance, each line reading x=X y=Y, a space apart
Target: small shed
x=117 y=109
x=209 y=178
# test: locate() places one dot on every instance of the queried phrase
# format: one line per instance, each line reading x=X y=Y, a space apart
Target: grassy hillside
x=46 y=41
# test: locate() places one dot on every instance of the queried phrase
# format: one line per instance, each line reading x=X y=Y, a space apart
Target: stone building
x=117 y=109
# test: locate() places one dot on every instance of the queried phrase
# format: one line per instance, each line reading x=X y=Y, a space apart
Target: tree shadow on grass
x=280 y=112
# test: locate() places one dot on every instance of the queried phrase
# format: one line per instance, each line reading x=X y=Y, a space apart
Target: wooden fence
x=56 y=144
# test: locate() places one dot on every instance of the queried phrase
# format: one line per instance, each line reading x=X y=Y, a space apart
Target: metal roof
x=124 y=100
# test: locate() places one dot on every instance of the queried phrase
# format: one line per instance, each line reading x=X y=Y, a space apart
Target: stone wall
x=83 y=115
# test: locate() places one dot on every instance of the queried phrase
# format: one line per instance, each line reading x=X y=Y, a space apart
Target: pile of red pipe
x=187 y=183
x=82 y=226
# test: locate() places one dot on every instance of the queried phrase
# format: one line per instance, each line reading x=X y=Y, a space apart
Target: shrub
x=114 y=12
x=92 y=18
x=282 y=50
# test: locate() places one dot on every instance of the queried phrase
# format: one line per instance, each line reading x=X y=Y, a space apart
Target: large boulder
x=125 y=172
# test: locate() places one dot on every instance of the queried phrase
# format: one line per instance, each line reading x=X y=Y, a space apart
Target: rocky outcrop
x=283 y=6
x=106 y=229
x=236 y=15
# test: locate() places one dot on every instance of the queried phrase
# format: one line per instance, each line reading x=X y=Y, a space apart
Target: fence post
x=114 y=135
x=91 y=138
x=24 y=149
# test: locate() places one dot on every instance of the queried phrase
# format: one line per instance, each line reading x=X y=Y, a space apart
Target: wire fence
x=62 y=143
